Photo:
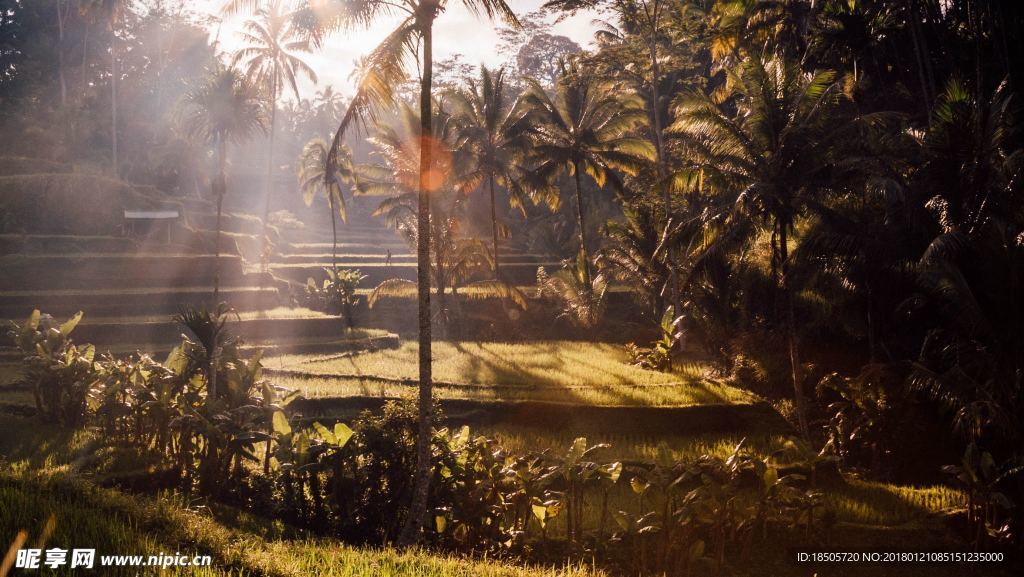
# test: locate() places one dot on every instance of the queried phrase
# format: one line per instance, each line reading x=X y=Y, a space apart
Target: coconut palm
x=647 y=19
x=771 y=155
x=970 y=274
x=586 y=126
x=270 y=60
x=581 y=299
x=314 y=180
x=225 y=107
x=385 y=68
x=633 y=256
x=493 y=131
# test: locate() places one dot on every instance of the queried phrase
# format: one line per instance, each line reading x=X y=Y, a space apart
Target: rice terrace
x=511 y=288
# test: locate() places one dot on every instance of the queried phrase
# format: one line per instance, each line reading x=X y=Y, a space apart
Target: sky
x=457 y=31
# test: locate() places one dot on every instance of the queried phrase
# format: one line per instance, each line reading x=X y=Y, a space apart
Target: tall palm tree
x=269 y=59
x=772 y=156
x=586 y=126
x=224 y=108
x=314 y=180
x=112 y=13
x=971 y=274
x=411 y=39
x=647 y=19
x=493 y=132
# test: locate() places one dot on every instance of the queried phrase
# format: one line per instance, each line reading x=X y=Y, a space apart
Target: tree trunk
x=265 y=250
x=583 y=230
x=334 y=229
x=113 y=100
x=85 y=57
x=794 y=353
x=60 y=55
x=653 y=15
x=219 y=184
x=494 y=227
x=411 y=532
x=923 y=56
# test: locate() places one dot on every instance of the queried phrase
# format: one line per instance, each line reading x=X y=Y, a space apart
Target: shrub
x=337 y=294
x=60 y=373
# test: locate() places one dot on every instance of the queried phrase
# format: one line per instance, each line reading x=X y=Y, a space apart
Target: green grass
x=885 y=504
x=45 y=477
x=117 y=523
x=274 y=313
x=630 y=446
x=562 y=371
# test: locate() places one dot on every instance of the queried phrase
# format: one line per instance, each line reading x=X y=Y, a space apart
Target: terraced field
x=555 y=371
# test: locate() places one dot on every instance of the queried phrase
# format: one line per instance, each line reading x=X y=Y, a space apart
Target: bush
x=337 y=294
x=60 y=374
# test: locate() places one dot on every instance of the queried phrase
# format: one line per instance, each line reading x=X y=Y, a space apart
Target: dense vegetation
x=814 y=204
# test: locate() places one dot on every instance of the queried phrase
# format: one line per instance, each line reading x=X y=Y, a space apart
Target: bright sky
x=456 y=32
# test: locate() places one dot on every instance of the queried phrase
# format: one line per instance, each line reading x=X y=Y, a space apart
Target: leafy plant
x=337 y=294
x=60 y=373
x=579 y=298
x=658 y=357
x=988 y=507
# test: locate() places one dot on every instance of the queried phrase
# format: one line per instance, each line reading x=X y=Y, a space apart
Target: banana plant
x=337 y=293
x=578 y=472
x=658 y=356
x=60 y=373
x=987 y=506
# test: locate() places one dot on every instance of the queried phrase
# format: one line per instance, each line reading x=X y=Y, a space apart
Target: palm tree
x=412 y=38
x=646 y=18
x=587 y=126
x=971 y=274
x=111 y=12
x=634 y=256
x=313 y=180
x=772 y=155
x=269 y=60
x=225 y=107
x=328 y=105
x=492 y=130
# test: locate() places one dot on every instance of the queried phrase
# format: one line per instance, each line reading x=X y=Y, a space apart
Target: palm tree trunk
x=334 y=230
x=794 y=353
x=219 y=185
x=421 y=485
x=264 y=251
x=654 y=13
x=61 y=15
x=113 y=100
x=85 y=57
x=582 y=225
x=494 y=228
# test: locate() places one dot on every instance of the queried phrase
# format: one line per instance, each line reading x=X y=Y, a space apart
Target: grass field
x=564 y=371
